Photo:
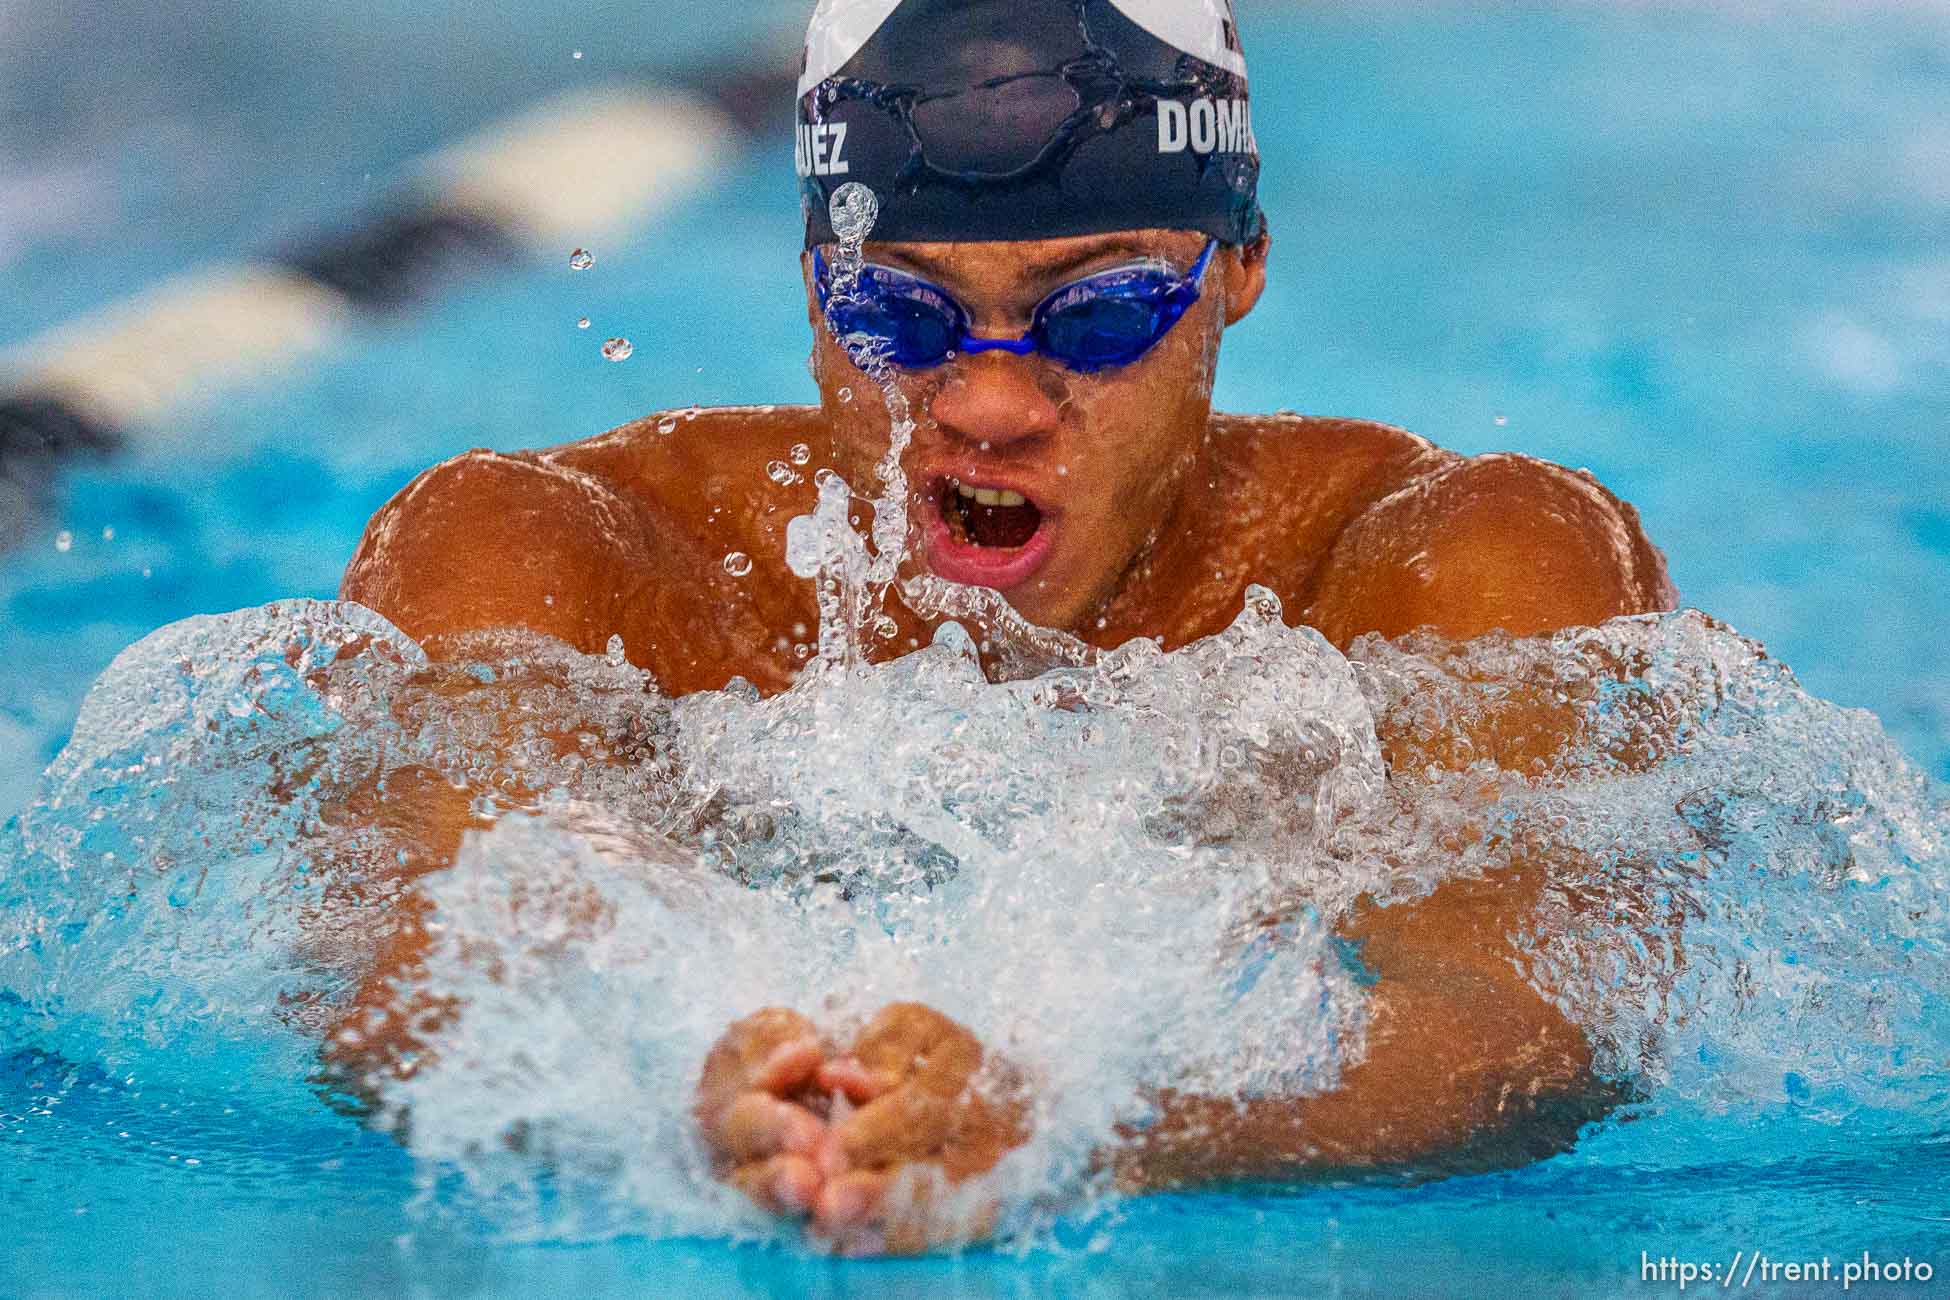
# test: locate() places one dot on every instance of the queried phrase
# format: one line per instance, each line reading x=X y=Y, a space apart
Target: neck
x=1143 y=600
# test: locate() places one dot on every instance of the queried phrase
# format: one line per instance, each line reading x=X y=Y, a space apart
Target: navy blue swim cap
x=1028 y=119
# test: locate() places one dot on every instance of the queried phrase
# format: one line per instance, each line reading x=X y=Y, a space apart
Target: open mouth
x=993 y=518
x=988 y=536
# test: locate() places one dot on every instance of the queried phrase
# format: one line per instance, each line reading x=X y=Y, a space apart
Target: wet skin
x=1157 y=513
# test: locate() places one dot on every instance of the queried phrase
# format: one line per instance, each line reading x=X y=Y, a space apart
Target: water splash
x=1077 y=863
x=852 y=578
x=1124 y=870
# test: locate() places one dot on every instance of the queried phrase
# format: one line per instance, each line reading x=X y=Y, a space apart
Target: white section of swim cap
x=1198 y=27
x=837 y=31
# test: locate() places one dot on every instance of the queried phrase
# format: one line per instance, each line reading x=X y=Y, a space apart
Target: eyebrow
x=1049 y=268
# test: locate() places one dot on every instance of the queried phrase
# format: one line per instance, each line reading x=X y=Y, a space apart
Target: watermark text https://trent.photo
x=1748 y=1268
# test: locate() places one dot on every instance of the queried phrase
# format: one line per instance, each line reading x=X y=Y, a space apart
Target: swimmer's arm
x=1466 y=1066
x=1499 y=542
x=1466 y=1060
x=483 y=541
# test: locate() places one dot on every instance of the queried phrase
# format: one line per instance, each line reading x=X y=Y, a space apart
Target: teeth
x=990 y=496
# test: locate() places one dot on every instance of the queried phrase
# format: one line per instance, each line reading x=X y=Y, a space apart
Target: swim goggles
x=1101 y=321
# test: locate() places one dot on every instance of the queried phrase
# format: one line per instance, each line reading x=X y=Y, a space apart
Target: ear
x=1245 y=269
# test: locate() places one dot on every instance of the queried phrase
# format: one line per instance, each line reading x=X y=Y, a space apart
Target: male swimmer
x=1068 y=224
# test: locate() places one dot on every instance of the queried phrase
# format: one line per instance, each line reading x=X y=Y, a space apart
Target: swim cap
x=1028 y=119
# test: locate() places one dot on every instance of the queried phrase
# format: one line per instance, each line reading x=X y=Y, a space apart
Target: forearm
x=1457 y=1073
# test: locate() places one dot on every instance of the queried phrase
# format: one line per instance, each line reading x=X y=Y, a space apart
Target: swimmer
x=1068 y=224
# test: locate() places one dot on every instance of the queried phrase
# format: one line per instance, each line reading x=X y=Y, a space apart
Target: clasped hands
x=880 y=1146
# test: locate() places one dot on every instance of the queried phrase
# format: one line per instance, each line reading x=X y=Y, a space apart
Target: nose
x=994 y=399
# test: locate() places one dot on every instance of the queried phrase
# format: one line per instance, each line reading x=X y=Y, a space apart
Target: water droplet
x=846 y=394
x=667 y=425
x=1502 y=420
x=799 y=454
x=781 y=473
x=613 y=651
x=147 y=571
x=738 y=564
x=691 y=413
x=802 y=651
x=575 y=54
x=581 y=260
x=853 y=210
x=1062 y=471
x=64 y=541
x=885 y=627
x=618 y=349
x=108 y=533
x=583 y=324
x=828 y=479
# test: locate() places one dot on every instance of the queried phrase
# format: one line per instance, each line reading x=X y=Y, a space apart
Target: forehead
x=999 y=264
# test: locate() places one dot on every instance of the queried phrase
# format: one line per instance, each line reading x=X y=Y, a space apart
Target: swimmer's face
x=1100 y=461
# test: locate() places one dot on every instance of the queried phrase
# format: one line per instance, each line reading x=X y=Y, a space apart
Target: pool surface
x=1697 y=250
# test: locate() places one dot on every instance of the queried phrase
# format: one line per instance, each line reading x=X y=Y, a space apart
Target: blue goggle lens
x=1098 y=323
x=914 y=325
x=1095 y=333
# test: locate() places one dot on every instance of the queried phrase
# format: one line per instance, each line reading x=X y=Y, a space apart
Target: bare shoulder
x=581 y=541
x=1336 y=466
x=1464 y=545
x=674 y=459
x=488 y=539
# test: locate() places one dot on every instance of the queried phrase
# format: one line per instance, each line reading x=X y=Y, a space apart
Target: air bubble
x=885 y=627
x=667 y=425
x=575 y=54
x=846 y=394
x=618 y=349
x=738 y=564
x=799 y=454
x=853 y=209
x=583 y=324
x=581 y=260
x=64 y=541
x=781 y=473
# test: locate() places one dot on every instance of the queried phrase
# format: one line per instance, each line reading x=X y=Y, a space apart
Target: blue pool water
x=1699 y=253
